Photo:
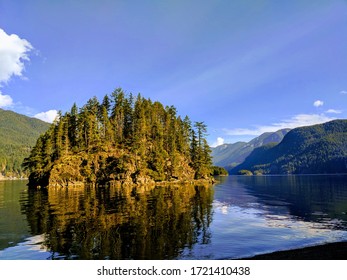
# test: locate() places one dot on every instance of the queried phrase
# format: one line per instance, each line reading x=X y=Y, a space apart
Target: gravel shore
x=330 y=251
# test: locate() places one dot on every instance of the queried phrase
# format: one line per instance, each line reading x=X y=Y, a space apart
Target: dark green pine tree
x=73 y=131
x=118 y=115
x=128 y=119
x=202 y=161
x=105 y=123
x=157 y=153
x=58 y=136
x=139 y=135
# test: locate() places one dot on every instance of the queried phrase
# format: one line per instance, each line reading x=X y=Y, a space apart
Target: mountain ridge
x=230 y=155
x=315 y=149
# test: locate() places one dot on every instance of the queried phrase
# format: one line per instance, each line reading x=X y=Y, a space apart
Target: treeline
x=11 y=159
x=122 y=138
x=219 y=171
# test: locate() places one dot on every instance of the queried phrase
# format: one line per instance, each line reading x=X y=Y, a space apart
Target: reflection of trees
x=120 y=223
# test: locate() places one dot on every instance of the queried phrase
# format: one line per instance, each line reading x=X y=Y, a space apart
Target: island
x=123 y=140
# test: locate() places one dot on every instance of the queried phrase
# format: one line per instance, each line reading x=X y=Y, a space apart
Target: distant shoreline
x=3 y=178
x=283 y=175
x=329 y=251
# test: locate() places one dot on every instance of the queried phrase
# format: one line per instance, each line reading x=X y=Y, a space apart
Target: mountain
x=18 y=134
x=230 y=155
x=316 y=149
x=227 y=154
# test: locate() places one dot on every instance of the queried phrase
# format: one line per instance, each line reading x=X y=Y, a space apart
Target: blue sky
x=243 y=67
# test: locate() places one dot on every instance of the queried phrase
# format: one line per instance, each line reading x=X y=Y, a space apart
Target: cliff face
x=111 y=167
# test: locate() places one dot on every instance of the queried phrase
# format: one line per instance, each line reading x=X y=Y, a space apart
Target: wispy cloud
x=343 y=91
x=333 y=111
x=296 y=121
x=218 y=142
x=318 y=103
x=48 y=116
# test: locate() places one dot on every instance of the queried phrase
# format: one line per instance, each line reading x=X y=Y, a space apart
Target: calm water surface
x=239 y=217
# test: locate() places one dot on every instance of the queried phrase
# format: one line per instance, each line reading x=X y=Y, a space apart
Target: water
x=239 y=217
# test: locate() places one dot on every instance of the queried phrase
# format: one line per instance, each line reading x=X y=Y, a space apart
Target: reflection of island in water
x=120 y=223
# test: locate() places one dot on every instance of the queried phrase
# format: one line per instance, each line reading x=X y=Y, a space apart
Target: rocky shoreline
x=118 y=183
x=329 y=251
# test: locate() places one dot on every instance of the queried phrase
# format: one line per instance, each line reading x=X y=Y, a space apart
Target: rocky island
x=122 y=140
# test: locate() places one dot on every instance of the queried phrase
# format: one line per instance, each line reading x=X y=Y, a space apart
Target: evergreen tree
x=72 y=127
x=202 y=159
x=128 y=119
x=118 y=115
x=58 y=136
x=106 y=103
x=105 y=126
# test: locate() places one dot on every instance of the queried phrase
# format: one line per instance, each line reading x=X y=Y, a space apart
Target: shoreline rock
x=328 y=251
x=126 y=183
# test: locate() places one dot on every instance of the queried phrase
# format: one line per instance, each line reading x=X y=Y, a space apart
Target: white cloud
x=318 y=103
x=333 y=111
x=13 y=53
x=296 y=121
x=5 y=100
x=220 y=141
x=343 y=91
x=48 y=116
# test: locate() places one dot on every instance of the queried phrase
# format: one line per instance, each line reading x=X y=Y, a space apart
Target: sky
x=243 y=67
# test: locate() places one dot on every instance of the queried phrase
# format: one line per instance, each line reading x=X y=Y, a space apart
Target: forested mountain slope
x=316 y=149
x=230 y=155
x=18 y=134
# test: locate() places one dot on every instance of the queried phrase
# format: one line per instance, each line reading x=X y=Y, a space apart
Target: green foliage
x=18 y=134
x=200 y=152
x=219 y=171
x=123 y=140
x=314 y=149
x=245 y=172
